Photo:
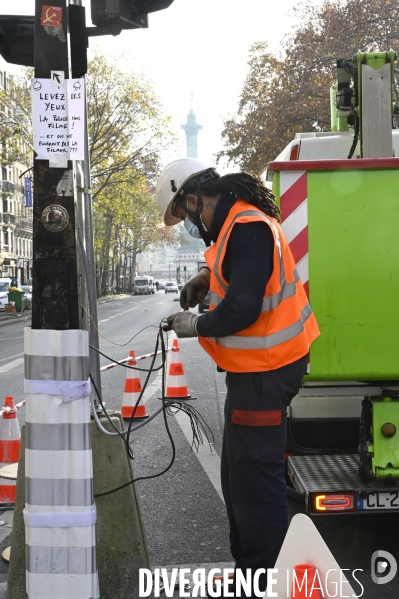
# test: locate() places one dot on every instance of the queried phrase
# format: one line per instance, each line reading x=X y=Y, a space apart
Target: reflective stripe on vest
x=268 y=341
x=271 y=302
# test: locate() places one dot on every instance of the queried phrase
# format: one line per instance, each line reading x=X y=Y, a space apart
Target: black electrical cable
x=165 y=403
x=151 y=369
x=126 y=441
x=105 y=411
x=355 y=138
x=196 y=420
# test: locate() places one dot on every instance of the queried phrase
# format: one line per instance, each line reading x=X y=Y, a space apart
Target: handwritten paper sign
x=58 y=118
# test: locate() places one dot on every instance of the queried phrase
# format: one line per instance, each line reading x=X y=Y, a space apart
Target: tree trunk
x=124 y=286
x=119 y=275
x=112 y=272
x=107 y=245
x=133 y=264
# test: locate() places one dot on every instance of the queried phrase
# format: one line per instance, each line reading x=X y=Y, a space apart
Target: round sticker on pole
x=55 y=218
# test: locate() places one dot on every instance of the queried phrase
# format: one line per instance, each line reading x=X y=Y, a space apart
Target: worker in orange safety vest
x=259 y=330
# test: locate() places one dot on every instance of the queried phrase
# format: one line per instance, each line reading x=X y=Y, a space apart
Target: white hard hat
x=171 y=180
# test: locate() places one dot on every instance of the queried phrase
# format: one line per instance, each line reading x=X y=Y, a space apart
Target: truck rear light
x=294 y=152
x=334 y=502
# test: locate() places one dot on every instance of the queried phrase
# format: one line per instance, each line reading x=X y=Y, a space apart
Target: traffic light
x=17 y=40
x=109 y=16
x=124 y=14
x=185 y=270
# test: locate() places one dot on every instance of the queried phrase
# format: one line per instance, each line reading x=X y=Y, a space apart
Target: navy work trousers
x=252 y=464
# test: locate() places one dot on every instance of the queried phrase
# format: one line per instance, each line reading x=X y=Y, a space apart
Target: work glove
x=183 y=324
x=195 y=290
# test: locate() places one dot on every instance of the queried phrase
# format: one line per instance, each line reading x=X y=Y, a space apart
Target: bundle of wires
x=199 y=427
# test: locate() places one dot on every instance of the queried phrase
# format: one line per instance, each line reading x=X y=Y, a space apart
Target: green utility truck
x=339 y=199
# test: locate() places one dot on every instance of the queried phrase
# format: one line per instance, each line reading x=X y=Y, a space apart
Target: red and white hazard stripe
x=109 y=366
x=294 y=219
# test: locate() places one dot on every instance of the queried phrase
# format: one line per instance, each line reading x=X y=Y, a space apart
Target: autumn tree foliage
x=128 y=133
x=288 y=92
x=128 y=128
x=127 y=222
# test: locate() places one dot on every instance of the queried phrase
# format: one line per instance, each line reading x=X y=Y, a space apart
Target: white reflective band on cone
x=59 y=512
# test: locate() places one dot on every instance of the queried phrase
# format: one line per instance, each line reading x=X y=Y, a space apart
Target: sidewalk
x=11 y=318
x=6 y=519
x=110 y=298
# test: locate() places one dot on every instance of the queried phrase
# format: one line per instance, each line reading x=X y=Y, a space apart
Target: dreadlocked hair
x=247 y=187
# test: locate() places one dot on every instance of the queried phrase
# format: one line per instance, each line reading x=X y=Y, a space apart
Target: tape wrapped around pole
x=60 y=519
x=69 y=390
x=59 y=468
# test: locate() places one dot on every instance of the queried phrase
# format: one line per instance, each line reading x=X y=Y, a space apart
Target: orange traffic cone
x=10 y=442
x=304 y=580
x=131 y=393
x=176 y=386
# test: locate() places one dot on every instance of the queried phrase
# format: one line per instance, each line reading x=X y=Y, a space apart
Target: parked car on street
x=3 y=295
x=171 y=287
x=202 y=306
x=11 y=281
x=161 y=285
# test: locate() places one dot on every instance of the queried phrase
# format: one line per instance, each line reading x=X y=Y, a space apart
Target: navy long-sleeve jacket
x=247 y=267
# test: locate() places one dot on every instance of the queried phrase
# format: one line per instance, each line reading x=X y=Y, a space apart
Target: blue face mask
x=192 y=229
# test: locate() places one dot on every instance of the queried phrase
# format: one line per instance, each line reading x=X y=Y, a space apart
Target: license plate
x=381 y=501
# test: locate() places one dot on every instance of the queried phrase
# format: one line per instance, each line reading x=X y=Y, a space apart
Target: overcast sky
x=199 y=47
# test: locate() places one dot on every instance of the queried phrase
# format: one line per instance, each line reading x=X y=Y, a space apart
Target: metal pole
x=91 y=283
x=56 y=352
x=55 y=301
x=94 y=357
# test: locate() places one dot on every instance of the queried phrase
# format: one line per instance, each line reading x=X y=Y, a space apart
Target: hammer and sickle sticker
x=51 y=16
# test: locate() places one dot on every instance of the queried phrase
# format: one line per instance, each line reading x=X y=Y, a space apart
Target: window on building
x=5 y=206
x=5 y=235
x=3 y=173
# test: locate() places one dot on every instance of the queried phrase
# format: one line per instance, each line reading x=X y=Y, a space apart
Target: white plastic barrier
x=109 y=366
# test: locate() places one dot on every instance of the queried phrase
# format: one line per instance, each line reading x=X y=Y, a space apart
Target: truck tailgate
x=331 y=485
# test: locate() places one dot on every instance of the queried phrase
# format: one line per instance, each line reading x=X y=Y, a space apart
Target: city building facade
x=16 y=212
x=173 y=264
